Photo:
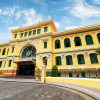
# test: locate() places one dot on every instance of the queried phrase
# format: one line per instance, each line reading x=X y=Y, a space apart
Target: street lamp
x=45 y=70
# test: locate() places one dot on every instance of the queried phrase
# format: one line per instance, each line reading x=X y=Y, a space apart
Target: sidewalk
x=87 y=90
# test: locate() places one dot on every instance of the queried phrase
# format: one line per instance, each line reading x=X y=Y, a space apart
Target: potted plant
x=38 y=76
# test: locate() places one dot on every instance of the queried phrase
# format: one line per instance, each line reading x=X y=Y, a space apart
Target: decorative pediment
x=28 y=41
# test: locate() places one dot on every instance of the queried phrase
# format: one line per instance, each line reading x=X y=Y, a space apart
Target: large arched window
x=67 y=42
x=77 y=41
x=57 y=44
x=4 y=50
x=29 y=51
x=80 y=59
x=93 y=58
x=88 y=39
x=58 y=60
x=69 y=60
x=98 y=35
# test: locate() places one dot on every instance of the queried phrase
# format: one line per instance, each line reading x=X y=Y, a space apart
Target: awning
x=25 y=62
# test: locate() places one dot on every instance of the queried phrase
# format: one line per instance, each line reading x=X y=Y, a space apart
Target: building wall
x=19 y=43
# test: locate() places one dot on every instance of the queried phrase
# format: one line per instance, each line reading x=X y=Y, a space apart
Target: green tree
x=98 y=51
x=38 y=73
x=54 y=71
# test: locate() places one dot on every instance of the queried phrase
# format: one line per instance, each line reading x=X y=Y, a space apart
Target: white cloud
x=70 y=27
x=65 y=8
x=57 y=25
x=31 y=17
x=83 y=10
x=8 y=11
x=13 y=28
x=41 y=2
x=96 y=1
x=52 y=2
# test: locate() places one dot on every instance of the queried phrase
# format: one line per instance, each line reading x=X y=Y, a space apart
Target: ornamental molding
x=40 y=56
x=28 y=41
x=86 y=54
x=12 y=59
x=27 y=59
x=63 y=55
x=20 y=45
x=36 y=42
x=49 y=55
x=74 y=55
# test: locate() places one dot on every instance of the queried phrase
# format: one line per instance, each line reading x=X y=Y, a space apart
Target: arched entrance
x=26 y=66
x=27 y=69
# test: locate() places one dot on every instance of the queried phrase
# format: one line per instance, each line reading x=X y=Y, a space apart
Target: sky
x=67 y=14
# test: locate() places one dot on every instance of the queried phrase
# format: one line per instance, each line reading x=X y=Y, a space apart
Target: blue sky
x=66 y=14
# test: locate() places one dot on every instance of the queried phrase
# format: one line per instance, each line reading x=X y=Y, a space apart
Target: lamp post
x=45 y=70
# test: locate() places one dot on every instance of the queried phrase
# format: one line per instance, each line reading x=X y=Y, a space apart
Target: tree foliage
x=38 y=73
x=54 y=71
x=98 y=51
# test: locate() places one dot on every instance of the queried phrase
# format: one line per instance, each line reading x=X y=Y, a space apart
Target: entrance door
x=28 y=69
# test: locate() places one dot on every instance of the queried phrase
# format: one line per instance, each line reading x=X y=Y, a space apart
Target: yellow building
x=71 y=50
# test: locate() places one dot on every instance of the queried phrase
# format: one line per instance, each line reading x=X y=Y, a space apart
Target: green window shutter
x=88 y=39
x=80 y=58
x=93 y=58
x=68 y=41
x=0 y=64
x=83 y=74
x=45 y=29
x=21 y=35
x=69 y=60
x=58 y=60
x=34 y=32
x=9 y=63
x=98 y=35
x=15 y=35
x=4 y=50
x=77 y=39
x=44 y=60
x=12 y=49
x=45 y=44
x=30 y=33
x=26 y=34
x=39 y=31
x=57 y=42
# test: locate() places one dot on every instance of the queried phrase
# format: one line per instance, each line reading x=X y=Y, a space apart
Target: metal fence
x=79 y=74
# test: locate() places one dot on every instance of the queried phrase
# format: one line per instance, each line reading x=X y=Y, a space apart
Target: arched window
x=29 y=51
x=58 y=60
x=88 y=39
x=77 y=41
x=0 y=64
x=10 y=63
x=93 y=58
x=4 y=50
x=67 y=42
x=69 y=60
x=80 y=59
x=44 y=60
x=98 y=35
x=57 y=44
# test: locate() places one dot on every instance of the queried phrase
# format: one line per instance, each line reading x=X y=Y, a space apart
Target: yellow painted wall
x=94 y=83
x=51 y=36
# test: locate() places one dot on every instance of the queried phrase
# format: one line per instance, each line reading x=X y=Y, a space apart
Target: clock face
x=28 y=53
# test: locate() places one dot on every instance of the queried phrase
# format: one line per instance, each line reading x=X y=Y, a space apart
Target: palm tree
x=98 y=51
